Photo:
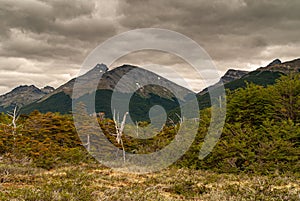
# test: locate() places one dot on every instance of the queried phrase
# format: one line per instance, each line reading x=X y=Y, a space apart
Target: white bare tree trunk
x=14 y=116
x=88 y=143
x=119 y=131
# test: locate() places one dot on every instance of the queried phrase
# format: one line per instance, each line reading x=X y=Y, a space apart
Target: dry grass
x=95 y=182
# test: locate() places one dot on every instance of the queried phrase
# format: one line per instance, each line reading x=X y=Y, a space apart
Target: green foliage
x=286 y=98
x=269 y=149
x=261 y=134
x=48 y=139
x=250 y=105
x=260 y=78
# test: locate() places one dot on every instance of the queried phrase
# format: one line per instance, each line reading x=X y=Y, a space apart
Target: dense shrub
x=47 y=139
x=261 y=133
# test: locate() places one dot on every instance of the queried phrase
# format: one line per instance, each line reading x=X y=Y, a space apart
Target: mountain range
x=31 y=98
x=132 y=77
x=21 y=96
x=234 y=79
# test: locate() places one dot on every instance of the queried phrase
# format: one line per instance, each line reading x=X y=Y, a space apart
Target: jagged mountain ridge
x=285 y=67
x=237 y=78
x=109 y=79
x=132 y=82
x=22 y=95
x=85 y=79
x=233 y=79
x=262 y=76
x=229 y=76
x=274 y=62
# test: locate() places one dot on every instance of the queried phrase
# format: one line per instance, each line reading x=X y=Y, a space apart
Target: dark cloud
x=226 y=29
x=45 y=41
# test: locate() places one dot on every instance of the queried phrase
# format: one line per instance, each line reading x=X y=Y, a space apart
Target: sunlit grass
x=95 y=182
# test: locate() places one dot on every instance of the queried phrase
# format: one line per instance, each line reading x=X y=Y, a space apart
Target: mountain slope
x=285 y=68
x=229 y=76
x=60 y=99
x=22 y=95
x=143 y=98
x=133 y=77
x=85 y=81
x=262 y=76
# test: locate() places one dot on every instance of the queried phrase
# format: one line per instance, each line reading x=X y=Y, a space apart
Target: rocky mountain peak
x=232 y=74
x=22 y=95
x=47 y=89
x=274 y=62
x=283 y=67
x=25 y=88
x=101 y=67
x=229 y=76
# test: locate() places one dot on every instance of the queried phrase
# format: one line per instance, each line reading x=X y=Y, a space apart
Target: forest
x=260 y=139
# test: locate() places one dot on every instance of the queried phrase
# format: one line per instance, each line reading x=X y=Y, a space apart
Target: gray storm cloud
x=44 y=42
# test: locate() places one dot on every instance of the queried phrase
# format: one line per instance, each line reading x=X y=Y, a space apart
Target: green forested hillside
x=59 y=102
x=139 y=106
x=262 y=78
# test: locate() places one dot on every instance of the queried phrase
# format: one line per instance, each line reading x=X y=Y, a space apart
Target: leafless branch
x=119 y=130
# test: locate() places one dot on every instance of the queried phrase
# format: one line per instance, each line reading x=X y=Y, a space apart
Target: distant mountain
x=85 y=82
x=131 y=83
x=22 y=95
x=229 y=76
x=60 y=100
x=47 y=89
x=110 y=79
x=262 y=76
x=285 y=67
x=274 y=62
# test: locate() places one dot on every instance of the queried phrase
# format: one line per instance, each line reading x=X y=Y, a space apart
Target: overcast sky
x=44 y=42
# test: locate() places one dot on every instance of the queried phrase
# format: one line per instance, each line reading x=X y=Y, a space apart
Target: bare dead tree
x=172 y=122
x=180 y=118
x=119 y=131
x=88 y=144
x=14 y=115
x=137 y=128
